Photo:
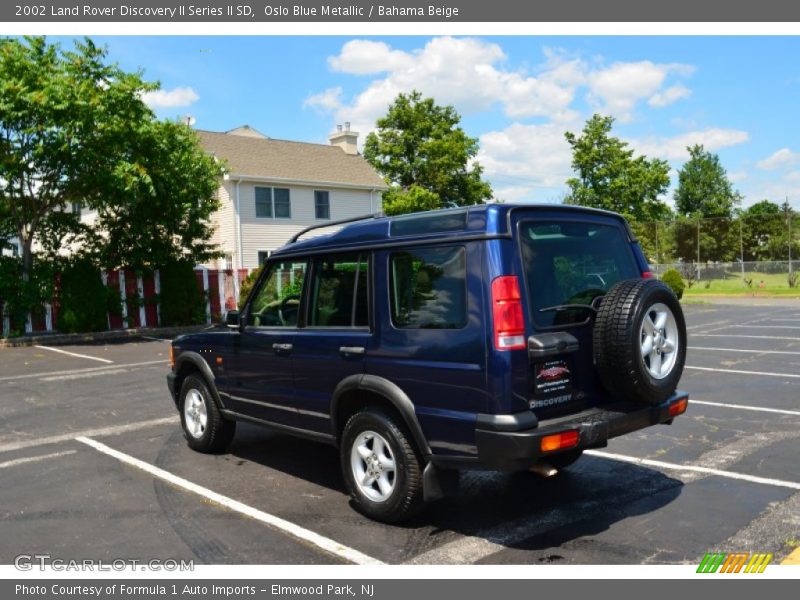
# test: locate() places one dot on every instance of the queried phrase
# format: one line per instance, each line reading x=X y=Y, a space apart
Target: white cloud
x=779 y=159
x=674 y=148
x=616 y=90
x=174 y=98
x=327 y=101
x=365 y=57
x=521 y=159
x=669 y=96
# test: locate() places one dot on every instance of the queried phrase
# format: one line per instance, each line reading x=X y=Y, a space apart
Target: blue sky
x=740 y=96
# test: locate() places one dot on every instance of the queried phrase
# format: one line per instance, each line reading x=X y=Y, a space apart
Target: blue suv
x=491 y=337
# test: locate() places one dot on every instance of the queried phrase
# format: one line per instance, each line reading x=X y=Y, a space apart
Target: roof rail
x=297 y=235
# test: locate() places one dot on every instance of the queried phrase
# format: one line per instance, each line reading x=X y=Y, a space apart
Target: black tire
x=619 y=343
x=405 y=499
x=564 y=459
x=218 y=432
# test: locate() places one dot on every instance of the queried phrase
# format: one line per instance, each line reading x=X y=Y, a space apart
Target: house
x=275 y=188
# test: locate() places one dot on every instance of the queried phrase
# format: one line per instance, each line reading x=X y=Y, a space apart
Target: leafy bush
x=247 y=285
x=84 y=299
x=673 y=279
x=22 y=297
x=182 y=303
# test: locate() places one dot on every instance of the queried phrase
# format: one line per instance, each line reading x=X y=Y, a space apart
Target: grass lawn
x=764 y=284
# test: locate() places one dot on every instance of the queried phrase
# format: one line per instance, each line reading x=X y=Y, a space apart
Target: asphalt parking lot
x=94 y=465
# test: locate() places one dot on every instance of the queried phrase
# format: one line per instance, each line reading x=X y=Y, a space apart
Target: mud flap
x=438 y=482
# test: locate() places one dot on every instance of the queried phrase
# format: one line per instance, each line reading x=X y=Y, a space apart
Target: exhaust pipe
x=544 y=469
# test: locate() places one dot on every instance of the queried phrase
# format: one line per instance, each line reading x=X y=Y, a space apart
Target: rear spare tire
x=640 y=341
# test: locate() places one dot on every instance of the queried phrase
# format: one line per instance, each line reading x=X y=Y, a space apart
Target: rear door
x=336 y=336
x=567 y=262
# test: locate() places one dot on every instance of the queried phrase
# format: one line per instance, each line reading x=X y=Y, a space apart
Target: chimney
x=344 y=138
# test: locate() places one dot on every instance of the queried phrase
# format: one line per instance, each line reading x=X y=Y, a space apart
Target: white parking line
x=768 y=326
x=66 y=437
x=84 y=375
x=741 y=372
x=744 y=351
x=750 y=337
x=694 y=469
x=102 y=370
x=30 y=459
x=60 y=351
x=779 y=411
x=292 y=529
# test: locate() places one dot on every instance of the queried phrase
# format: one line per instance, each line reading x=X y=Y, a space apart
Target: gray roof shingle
x=281 y=159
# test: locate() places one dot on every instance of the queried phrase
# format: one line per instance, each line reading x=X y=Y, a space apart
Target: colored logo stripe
x=734 y=563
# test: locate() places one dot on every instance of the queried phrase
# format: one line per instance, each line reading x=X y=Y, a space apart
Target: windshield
x=571 y=263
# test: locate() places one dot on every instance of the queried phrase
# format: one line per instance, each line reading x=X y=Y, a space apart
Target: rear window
x=571 y=263
x=428 y=288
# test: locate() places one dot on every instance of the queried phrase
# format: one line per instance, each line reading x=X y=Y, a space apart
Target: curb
x=62 y=339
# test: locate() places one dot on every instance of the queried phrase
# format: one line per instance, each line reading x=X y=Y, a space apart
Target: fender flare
x=392 y=392
x=201 y=365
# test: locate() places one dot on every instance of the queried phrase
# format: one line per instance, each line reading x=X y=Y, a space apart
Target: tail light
x=171 y=357
x=678 y=407
x=647 y=274
x=559 y=441
x=509 y=325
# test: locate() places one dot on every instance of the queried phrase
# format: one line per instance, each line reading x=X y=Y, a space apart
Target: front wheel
x=382 y=471
x=204 y=427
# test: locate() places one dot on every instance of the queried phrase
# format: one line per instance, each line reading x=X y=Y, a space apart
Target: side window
x=277 y=302
x=340 y=292
x=428 y=288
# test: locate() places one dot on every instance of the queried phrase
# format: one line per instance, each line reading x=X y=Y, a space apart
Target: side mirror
x=233 y=319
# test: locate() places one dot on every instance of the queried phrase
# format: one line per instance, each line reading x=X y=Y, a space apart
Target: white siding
x=224 y=236
x=272 y=233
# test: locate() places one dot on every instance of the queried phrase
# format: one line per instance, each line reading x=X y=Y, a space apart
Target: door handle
x=282 y=348
x=352 y=350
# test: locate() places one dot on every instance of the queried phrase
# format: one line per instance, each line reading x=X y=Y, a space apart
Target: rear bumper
x=509 y=442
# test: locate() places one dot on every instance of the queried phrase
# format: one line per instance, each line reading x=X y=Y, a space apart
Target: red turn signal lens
x=647 y=274
x=678 y=407
x=559 y=441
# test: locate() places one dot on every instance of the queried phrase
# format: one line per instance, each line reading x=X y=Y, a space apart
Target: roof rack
x=297 y=235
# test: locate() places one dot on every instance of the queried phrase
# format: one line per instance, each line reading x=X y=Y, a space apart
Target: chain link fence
x=726 y=254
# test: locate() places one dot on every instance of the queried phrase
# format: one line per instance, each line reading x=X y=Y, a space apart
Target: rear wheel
x=204 y=427
x=381 y=469
x=640 y=341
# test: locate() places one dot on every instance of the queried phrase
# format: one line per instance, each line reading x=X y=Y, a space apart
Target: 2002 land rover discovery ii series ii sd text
x=490 y=337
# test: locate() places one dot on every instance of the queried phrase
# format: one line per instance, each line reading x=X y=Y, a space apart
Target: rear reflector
x=509 y=325
x=647 y=274
x=678 y=407
x=171 y=357
x=559 y=441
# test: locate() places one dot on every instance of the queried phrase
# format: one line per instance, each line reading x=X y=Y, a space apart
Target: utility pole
x=789 y=224
x=698 y=250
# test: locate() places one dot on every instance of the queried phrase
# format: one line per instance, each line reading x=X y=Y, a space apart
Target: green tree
x=158 y=208
x=425 y=157
x=763 y=226
x=704 y=187
x=609 y=176
x=74 y=128
x=705 y=192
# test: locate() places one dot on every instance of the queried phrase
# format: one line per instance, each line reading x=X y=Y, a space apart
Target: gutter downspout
x=237 y=228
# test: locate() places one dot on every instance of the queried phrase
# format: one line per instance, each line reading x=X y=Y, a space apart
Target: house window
x=228 y=262
x=263 y=202
x=76 y=208
x=283 y=209
x=322 y=205
x=263 y=255
x=273 y=202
